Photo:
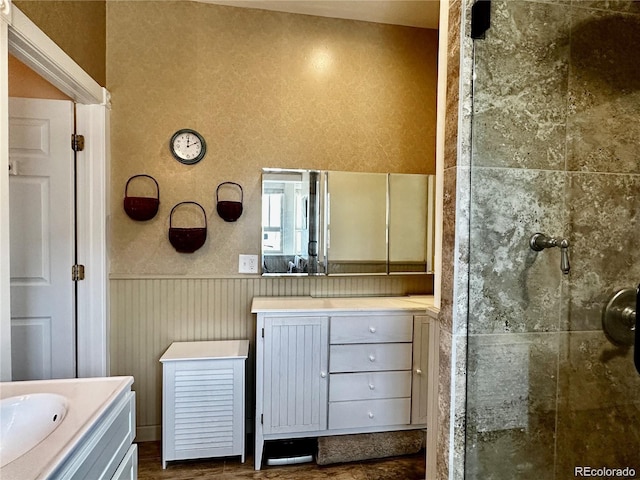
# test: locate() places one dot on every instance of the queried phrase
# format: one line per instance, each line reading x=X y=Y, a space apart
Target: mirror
x=411 y=229
x=346 y=223
x=290 y=222
x=356 y=223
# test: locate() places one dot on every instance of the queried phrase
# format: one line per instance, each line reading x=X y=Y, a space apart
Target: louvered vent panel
x=203 y=409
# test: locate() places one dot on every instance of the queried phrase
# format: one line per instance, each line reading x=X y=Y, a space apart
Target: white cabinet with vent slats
x=203 y=397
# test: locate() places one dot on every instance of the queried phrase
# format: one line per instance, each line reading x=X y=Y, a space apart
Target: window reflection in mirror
x=290 y=220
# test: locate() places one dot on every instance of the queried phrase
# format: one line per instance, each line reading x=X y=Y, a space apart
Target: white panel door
x=42 y=243
x=295 y=374
x=421 y=372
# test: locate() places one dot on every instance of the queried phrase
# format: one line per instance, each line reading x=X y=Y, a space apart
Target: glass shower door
x=555 y=150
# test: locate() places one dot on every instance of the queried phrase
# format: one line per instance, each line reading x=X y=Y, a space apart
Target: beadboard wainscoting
x=149 y=313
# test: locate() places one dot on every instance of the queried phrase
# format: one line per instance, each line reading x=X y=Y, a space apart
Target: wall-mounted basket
x=187 y=240
x=228 y=210
x=141 y=208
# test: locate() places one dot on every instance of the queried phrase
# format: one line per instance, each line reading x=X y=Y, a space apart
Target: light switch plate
x=248 y=264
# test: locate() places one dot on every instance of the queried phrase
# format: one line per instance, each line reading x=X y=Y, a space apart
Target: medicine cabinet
x=319 y=222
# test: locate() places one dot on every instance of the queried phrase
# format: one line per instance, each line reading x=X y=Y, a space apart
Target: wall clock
x=188 y=146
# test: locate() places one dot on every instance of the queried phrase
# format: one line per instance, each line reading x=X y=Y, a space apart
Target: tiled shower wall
x=556 y=149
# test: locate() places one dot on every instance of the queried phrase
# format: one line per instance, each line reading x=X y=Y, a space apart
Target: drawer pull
x=372 y=386
x=323 y=374
x=418 y=371
x=372 y=329
x=370 y=414
x=372 y=358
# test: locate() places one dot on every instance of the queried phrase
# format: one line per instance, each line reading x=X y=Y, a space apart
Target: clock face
x=188 y=146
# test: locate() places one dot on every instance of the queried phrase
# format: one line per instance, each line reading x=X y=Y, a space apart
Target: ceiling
x=413 y=13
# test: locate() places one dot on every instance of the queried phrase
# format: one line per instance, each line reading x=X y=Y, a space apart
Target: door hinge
x=262 y=418
x=77 y=273
x=262 y=332
x=77 y=142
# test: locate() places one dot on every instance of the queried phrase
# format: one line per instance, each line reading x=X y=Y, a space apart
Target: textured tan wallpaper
x=77 y=26
x=24 y=82
x=265 y=89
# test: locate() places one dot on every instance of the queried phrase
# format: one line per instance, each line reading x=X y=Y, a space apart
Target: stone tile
x=444 y=405
x=453 y=82
x=513 y=288
x=511 y=375
x=368 y=446
x=598 y=405
x=511 y=406
x=605 y=437
x=460 y=406
x=604 y=93
x=595 y=374
x=628 y=6
x=449 y=221
x=604 y=225
x=520 y=87
x=460 y=304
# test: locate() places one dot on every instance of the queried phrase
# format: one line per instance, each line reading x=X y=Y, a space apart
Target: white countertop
x=207 y=350
x=422 y=303
x=88 y=399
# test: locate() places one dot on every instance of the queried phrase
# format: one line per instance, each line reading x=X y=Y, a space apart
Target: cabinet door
x=420 y=387
x=295 y=374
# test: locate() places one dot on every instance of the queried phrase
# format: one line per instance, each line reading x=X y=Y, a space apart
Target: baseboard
x=149 y=433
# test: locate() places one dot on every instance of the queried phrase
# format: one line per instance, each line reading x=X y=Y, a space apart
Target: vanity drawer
x=370 y=357
x=369 y=413
x=371 y=385
x=371 y=329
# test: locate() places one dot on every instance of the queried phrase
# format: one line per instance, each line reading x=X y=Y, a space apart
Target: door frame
x=24 y=40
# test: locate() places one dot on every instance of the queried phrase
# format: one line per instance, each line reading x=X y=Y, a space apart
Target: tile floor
x=410 y=467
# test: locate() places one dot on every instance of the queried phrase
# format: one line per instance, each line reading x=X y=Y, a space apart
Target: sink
x=26 y=420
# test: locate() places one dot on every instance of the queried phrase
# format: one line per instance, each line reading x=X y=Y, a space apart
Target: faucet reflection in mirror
x=346 y=223
x=290 y=222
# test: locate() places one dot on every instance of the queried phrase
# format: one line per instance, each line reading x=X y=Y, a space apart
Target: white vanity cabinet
x=333 y=366
x=107 y=451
